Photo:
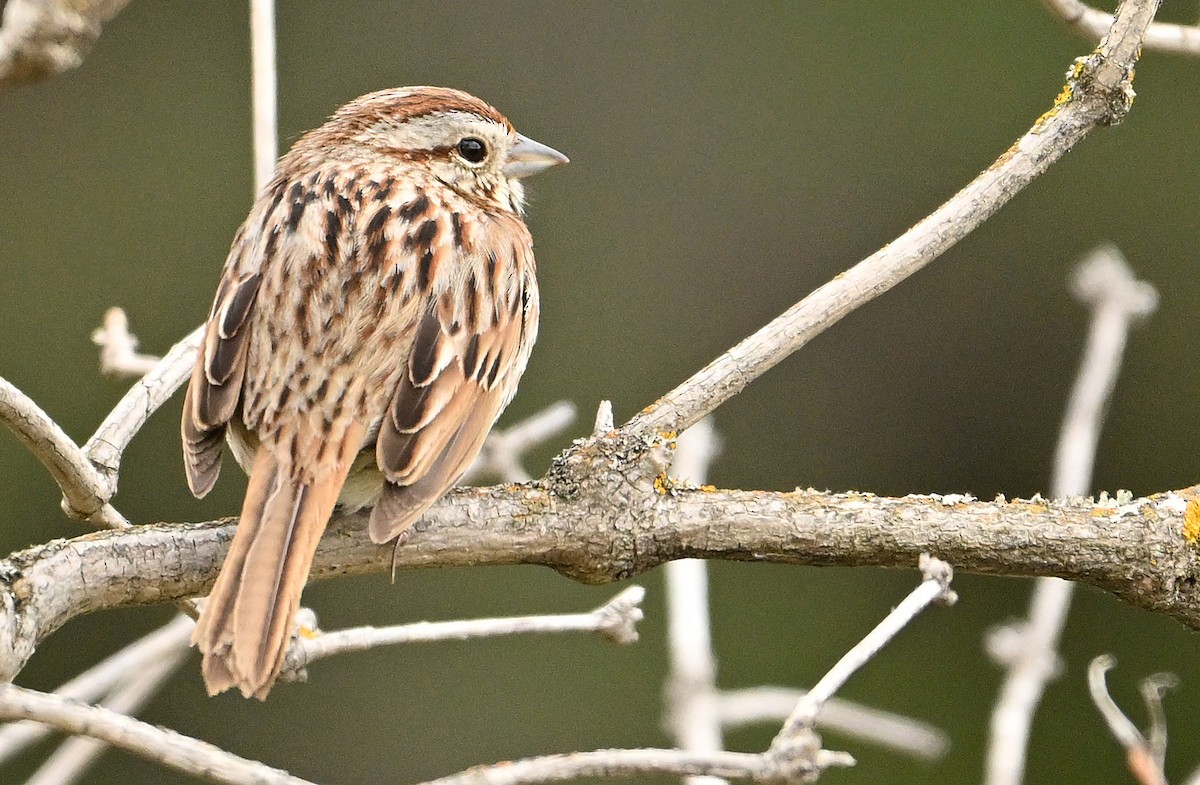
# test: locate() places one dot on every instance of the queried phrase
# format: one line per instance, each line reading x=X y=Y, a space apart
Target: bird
x=375 y=313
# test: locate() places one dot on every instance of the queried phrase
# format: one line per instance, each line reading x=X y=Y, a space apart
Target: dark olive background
x=725 y=162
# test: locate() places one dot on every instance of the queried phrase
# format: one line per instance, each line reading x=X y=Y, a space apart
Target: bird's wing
x=216 y=384
x=471 y=343
x=215 y=388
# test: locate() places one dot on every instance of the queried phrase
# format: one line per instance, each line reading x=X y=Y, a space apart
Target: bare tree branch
x=157 y=744
x=935 y=588
x=1160 y=36
x=607 y=508
x=84 y=489
x=795 y=755
x=70 y=761
x=616 y=620
x=263 y=80
x=1106 y=283
x=786 y=762
x=40 y=38
x=1098 y=92
x=164 y=644
x=109 y=441
x=599 y=525
x=1153 y=688
x=755 y=705
x=632 y=763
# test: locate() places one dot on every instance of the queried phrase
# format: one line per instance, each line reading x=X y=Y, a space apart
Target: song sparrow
x=375 y=314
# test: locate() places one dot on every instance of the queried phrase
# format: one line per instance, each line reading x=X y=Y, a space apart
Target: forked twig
x=798 y=729
x=616 y=620
x=108 y=443
x=119 y=356
x=1139 y=754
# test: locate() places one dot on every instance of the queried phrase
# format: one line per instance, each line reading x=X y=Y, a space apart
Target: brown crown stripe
x=421 y=101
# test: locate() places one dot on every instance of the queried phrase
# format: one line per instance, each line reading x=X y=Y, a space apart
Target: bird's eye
x=472 y=150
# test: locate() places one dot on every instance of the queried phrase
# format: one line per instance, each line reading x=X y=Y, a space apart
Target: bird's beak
x=528 y=157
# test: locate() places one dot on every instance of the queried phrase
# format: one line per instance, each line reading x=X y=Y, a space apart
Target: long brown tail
x=246 y=625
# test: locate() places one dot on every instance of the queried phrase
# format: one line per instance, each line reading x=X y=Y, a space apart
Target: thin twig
x=1105 y=282
x=794 y=756
x=1160 y=36
x=691 y=692
x=935 y=588
x=1029 y=649
x=72 y=758
x=1138 y=754
x=631 y=763
x=109 y=441
x=1098 y=92
x=99 y=680
x=119 y=357
x=84 y=489
x=263 y=78
x=756 y=705
x=616 y=620
x=175 y=750
x=1153 y=688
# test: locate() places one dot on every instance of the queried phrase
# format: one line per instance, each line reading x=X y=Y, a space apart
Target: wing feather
x=216 y=385
x=458 y=381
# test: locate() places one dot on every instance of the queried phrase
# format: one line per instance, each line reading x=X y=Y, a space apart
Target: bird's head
x=463 y=142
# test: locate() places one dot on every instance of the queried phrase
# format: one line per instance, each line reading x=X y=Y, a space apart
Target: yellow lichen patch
x=708 y=489
x=1063 y=96
x=663 y=484
x=1191 y=521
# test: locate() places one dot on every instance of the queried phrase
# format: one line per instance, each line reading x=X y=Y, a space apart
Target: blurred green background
x=725 y=162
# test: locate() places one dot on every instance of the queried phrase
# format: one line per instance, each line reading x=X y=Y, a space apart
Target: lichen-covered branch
x=608 y=511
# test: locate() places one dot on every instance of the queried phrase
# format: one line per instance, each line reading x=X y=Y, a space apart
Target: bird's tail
x=244 y=629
